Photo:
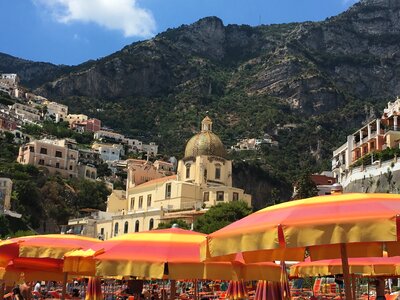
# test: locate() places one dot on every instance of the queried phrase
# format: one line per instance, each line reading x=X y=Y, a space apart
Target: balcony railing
x=392 y=128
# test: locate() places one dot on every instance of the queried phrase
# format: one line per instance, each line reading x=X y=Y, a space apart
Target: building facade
x=373 y=137
x=57 y=156
x=154 y=194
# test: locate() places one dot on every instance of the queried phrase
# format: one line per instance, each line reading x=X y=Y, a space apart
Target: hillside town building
x=155 y=194
x=375 y=136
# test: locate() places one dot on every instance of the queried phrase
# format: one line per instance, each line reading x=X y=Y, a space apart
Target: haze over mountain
x=323 y=78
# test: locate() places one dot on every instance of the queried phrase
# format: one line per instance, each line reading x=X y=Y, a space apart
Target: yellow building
x=203 y=179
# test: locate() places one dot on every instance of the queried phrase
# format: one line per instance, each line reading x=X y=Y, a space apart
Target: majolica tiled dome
x=205 y=142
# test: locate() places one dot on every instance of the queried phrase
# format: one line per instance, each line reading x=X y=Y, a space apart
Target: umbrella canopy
x=320 y=224
x=52 y=246
x=366 y=266
x=38 y=257
x=171 y=253
x=93 y=291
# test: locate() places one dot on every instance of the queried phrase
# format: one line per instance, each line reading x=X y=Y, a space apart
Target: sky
x=73 y=31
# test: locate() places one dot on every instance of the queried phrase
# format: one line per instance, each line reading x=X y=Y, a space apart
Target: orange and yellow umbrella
x=320 y=224
x=334 y=226
x=171 y=253
x=365 y=266
x=39 y=257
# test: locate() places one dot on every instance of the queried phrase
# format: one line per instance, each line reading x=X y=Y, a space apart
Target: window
x=58 y=165
x=140 y=201
x=132 y=203
x=32 y=149
x=116 y=229
x=43 y=151
x=217 y=171
x=102 y=231
x=87 y=173
x=151 y=224
x=70 y=167
x=220 y=196
x=58 y=154
x=206 y=196
x=168 y=190
x=205 y=174
x=126 y=227
x=41 y=162
x=149 y=200
x=235 y=196
x=188 y=171
x=137 y=226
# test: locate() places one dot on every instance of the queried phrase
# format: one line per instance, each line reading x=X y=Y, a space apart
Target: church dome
x=205 y=142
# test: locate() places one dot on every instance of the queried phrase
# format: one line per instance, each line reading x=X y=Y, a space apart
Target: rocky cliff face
x=313 y=67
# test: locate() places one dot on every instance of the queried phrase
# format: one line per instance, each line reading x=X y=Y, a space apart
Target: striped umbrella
x=366 y=266
x=236 y=290
x=334 y=226
x=40 y=257
x=52 y=246
x=93 y=291
x=267 y=290
x=171 y=253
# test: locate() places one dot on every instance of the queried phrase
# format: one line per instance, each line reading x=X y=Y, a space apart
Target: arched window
x=188 y=171
x=151 y=224
x=126 y=227
x=116 y=229
x=137 y=226
x=217 y=171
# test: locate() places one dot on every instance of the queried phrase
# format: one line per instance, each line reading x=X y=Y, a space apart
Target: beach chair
x=317 y=287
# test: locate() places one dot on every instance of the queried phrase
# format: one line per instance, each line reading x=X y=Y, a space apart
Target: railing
x=392 y=128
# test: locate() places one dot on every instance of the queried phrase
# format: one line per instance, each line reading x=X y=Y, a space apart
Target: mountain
x=32 y=74
x=320 y=79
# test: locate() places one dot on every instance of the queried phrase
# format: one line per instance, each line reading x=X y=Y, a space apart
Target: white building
x=57 y=111
x=109 y=152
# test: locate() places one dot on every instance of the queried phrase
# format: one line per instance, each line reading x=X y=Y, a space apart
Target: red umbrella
x=236 y=290
x=93 y=291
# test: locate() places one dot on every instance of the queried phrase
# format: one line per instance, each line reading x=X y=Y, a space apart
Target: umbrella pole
x=196 y=296
x=64 y=286
x=172 y=290
x=368 y=288
x=353 y=284
x=346 y=272
x=2 y=286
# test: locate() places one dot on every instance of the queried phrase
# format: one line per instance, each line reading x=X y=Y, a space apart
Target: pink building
x=93 y=125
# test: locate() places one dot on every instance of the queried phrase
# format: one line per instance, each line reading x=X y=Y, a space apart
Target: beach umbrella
x=236 y=290
x=52 y=246
x=268 y=290
x=171 y=253
x=93 y=291
x=41 y=256
x=334 y=226
x=365 y=266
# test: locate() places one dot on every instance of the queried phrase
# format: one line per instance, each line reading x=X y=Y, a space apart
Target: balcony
x=392 y=128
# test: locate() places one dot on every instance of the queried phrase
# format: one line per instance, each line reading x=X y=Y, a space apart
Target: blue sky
x=73 y=31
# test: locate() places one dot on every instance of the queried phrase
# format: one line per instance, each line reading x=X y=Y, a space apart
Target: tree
x=181 y=224
x=221 y=215
x=305 y=187
x=103 y=170
x=90 y=194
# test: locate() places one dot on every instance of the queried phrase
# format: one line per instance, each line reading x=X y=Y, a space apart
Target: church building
x=203 y=179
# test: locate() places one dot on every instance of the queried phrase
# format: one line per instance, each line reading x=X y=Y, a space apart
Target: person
x=37 y=287
x=17 y=294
